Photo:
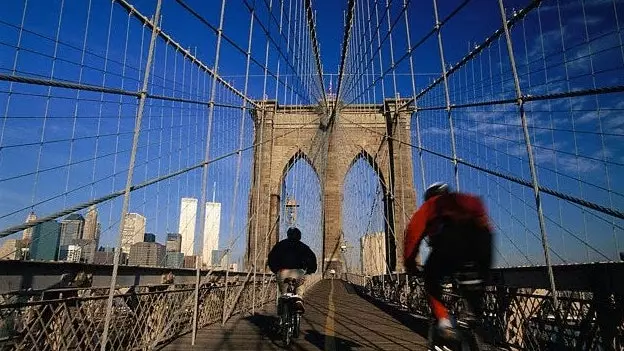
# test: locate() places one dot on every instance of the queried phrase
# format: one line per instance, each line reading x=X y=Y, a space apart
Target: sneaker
x=448 y=334
x=446 y=330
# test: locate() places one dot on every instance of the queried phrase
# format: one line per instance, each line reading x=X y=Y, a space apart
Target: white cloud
x=436 y=131
x=576 y=5
x=575 y=164
x=615 y=124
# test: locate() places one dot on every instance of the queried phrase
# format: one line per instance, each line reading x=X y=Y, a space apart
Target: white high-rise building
x=188 y=217
x=27 y=235
x=212 y=225
x=73 y=253
x=133 y=231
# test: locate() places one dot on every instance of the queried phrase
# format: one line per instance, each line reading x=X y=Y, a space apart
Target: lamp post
x=343 y=250
x=291 y=211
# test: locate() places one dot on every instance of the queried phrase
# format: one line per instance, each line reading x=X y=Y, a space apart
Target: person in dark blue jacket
x=290 y=258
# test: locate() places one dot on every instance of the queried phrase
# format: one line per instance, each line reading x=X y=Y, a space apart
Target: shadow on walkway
x=267 y=326
x=336 y=318
x=419 y=325
x=320 y=340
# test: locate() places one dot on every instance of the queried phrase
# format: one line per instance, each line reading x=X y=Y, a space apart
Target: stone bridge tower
x=331 y=145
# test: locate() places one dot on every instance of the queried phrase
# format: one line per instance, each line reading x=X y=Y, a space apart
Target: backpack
x=459 y=218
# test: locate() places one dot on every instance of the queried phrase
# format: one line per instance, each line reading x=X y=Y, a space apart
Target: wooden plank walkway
x=336 y=318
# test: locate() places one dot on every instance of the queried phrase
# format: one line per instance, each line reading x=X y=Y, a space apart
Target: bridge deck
x=336 y=318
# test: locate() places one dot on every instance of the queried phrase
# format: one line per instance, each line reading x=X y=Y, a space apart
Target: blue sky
x=87 y=135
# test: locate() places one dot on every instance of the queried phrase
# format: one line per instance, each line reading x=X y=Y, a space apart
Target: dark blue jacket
x=291 y=254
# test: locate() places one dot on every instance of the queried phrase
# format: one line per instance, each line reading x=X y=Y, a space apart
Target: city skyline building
x=149 y=238
x=219 y=259
x=11 y=249
x=71 y=229
x=186 y=226
x=107 y=257
x=174 y=259
x=212 y=226
x=91 y=227
x=44 y=245
x=174 y=242
x=87 y=249
x=133 y=231
x=28 y=233
x=74 y=253
x=147 y=254
x=190 y=261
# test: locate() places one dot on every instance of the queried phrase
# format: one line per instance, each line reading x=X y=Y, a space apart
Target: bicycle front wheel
x=296 y=320
x=287 y=328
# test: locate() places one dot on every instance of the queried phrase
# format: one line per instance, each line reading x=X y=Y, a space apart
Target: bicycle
x=417 y=301
x=463 y=283
x=290 y=316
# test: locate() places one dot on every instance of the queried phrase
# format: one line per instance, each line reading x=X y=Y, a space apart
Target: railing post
x=531 y=157
x=225 y=290
x=196 y=298
x=126 y=197
x=204 y=185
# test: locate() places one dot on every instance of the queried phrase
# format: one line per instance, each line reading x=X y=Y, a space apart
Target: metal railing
x=143 y=317
x=518 y=307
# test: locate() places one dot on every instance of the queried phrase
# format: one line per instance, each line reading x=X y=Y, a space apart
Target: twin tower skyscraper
x=212 y=225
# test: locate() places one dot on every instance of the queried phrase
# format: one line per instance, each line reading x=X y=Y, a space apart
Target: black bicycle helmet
x=437 y=188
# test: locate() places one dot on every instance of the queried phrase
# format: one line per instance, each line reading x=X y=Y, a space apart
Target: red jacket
x=424 y=222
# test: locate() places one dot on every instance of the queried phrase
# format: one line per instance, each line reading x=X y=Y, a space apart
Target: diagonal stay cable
x=345 y=45
x=408 y=54
x=591 y=205
x=66 y=211
x=379 y=48
x=271 y=40
x=517 y=17
x=168 y=39
x=99 y=89
x=229 y=40
x=315 y=47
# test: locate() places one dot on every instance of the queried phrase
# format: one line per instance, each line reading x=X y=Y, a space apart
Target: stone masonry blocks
x=296 y=132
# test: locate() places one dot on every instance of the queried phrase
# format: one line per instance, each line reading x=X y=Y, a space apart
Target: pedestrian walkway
x=336 y=318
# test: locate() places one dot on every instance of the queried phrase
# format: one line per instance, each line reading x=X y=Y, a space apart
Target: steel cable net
x=568 y=62
x=173 y=94
x=131 y=124
x=364 y=219
x=521 y=107
x=301 y=205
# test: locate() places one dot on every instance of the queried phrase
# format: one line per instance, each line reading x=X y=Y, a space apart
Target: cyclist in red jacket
x=458 y=233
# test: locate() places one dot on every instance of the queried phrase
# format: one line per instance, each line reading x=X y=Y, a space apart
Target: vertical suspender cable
x=438 y=25
x=202 y=203
x=527 y=139
x=126 y=197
